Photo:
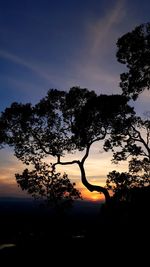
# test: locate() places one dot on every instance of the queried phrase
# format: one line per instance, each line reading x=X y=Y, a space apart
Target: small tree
x=62 y=123
x=43 y=182
x=132 y=136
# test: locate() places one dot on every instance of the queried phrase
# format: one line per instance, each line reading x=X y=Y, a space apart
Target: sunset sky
x=60 y=44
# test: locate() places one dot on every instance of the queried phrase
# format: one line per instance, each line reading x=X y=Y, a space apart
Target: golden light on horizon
x=8 y=184
x=91 y=196
x=96 y=197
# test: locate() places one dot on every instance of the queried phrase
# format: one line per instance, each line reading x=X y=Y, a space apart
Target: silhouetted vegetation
x=132 y=140
x=62 y=123
x=44 y=183
x=131 y=136
x=68 y=122
x=129 y=205
x=134 y=52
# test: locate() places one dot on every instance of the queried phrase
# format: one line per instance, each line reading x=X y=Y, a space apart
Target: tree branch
x=141 y=140
x=64 y=163
x=40 y=143
x=91 y=187
x=86 y=153
x=89 y=145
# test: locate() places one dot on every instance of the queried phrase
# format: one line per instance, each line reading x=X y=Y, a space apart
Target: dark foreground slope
x=25 y=218
x=29 y=230
x=84 y=234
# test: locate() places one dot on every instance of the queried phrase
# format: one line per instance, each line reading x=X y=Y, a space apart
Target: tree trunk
x=91 y=187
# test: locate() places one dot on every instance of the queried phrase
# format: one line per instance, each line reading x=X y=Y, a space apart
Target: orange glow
x=96 y=197
x=92 y=196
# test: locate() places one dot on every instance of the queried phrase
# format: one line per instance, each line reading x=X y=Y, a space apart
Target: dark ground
x=82 y=235
x=38 y=232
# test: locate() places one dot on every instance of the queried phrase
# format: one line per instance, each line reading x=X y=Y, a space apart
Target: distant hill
x=11 y=204
x=23 y=217
x=32 y=232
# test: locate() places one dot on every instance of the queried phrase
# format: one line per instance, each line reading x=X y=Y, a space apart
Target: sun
x=95 y=197
x=92 y=196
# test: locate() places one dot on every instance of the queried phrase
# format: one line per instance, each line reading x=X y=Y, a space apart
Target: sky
x=60 y=44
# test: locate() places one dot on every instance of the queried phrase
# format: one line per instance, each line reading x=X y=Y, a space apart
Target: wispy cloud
x=98 y=54
x=90 y=66
x=22 y=62
x=102 y=30
x=18 y=83
x=12 y=190
x=63 y=79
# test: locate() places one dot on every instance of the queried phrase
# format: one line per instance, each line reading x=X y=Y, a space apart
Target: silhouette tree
x=43 y=182
x=132 y=136
x=134 y=52
x=62 y=123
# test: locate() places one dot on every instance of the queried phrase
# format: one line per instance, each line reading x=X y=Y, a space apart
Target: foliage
x=62 y=123
x=132 y=140
x=43 y=182
x=131 y=135
x=134 y=52
x=67 y=122
x=122 y=183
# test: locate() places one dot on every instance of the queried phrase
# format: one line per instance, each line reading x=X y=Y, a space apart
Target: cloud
x=102 y=30
x=89 y=68
x=11 y=190
x=63 y=79
x=96 y=62
x=22 y=85
x=22 y=90
x=8 y=184
x=9 y=165
x=32 y=67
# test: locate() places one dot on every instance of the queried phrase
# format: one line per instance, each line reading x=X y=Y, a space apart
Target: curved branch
x=141 y=140
x=86 y=154
x=89 y=145
x=40 y=143
x=91 y=187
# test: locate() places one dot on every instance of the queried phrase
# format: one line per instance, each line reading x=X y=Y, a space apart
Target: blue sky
x=59 y=44
x=63 y=43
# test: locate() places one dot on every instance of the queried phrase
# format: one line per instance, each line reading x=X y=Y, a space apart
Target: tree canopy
x=65 y=122
x=61 y=123
x=131 y=137
x=134 y=52
x=132 y=140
